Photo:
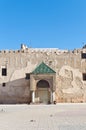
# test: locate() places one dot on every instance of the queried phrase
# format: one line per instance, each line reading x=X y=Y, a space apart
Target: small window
x=84 y=76
x=4 y=72
x=83 y=55
x=3 y=84
x=27 y=76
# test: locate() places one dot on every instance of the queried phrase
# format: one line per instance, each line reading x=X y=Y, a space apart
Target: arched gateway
x=43 y=84
x=43 y=91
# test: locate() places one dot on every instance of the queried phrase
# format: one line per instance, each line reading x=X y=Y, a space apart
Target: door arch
x=42 y=92
x=43 y=84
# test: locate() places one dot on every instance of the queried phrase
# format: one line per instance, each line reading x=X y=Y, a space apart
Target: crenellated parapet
x=47 y=51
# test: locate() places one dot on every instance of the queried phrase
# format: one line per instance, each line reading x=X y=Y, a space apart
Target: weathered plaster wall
x=68 y=65
x=70 y=86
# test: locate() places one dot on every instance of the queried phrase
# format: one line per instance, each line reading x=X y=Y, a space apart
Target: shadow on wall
x=15 y=92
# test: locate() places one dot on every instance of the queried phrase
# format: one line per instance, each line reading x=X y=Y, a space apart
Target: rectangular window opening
x=27 y=76
x=83 y=55
x=84 y=76
x=4 y=71
x=3 y=84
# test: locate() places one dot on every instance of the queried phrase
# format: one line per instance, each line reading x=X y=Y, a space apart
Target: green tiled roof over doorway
x=43 y=69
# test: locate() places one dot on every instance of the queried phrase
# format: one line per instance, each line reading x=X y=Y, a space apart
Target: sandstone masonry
x=68 y=84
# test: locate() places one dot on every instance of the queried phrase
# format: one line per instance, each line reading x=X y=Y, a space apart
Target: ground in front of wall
x=43 y=117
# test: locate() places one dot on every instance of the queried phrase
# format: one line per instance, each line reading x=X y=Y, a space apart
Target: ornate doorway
x=42 y=84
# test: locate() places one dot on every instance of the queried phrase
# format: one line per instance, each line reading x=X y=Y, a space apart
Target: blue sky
x=42 y=23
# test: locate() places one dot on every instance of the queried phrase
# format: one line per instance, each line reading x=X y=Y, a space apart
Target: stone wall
x=69 y=67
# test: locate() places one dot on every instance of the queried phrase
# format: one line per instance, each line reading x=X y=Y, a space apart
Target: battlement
x=36 y=50
x=25 y=49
